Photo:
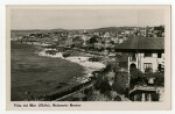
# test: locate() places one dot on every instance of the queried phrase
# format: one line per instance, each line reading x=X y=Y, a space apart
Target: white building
x=145 y=54
x=146 y=61
x=120 y=40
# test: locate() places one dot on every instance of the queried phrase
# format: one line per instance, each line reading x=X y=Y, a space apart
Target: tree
x=137 y=78
x=93 y=39
x=158 y=78
x=120 y=82
x=78 y=41
x=102 y=85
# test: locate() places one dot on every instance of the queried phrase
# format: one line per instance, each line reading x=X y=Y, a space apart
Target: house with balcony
x=145 y=54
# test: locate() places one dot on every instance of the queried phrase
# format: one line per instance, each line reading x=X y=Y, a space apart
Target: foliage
x=137 y=78
x=78 y=41
x=159 y=78
x=159 y=81
x=52 y=52
x=148 y=70
x=121 y=82
x=136 y=73
x=93 y=39
x=95 y=59
x=117 y=98
x=102 y=85
x=97 y=96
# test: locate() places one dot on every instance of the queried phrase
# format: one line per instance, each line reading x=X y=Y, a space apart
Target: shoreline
x=47 y=75
x=89 y=67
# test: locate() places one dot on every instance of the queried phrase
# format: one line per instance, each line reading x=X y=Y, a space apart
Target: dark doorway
x=132 y=67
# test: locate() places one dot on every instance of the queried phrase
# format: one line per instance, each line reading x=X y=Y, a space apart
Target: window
x=160 y=68
x=133 y=58
x=148 y=54
x=159 y=55
x=148 y=67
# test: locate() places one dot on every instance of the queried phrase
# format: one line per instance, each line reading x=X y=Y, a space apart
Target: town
x=125 y=63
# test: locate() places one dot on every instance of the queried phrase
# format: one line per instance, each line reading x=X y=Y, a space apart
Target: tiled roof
x=142 y=43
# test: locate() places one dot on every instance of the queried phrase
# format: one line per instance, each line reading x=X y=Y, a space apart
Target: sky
x=84 y=18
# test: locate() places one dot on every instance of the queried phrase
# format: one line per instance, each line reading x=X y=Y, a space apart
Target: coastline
x=47 y=75
x=89 y=66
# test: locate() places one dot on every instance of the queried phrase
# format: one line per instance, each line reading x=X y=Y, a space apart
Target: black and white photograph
x=88 y=53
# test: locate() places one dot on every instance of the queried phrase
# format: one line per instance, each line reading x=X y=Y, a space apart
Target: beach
x=81 y=60
x=33 y=76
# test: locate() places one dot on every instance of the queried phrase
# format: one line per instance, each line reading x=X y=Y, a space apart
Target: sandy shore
x=83 y=61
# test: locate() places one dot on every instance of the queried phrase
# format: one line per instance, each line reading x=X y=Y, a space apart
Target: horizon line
x=89 y=28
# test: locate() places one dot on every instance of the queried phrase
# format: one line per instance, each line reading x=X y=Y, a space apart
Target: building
x=145 y=54
x=146 y=93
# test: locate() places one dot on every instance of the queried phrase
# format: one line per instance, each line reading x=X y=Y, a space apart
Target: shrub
x=121 y=82
x=52 y=52
x=93 y=59
x=137 y=78
x=66 y=54
x=159 y=81
x=102 y=85
x=159 y=78
x=117 y=98
x=148 y=70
